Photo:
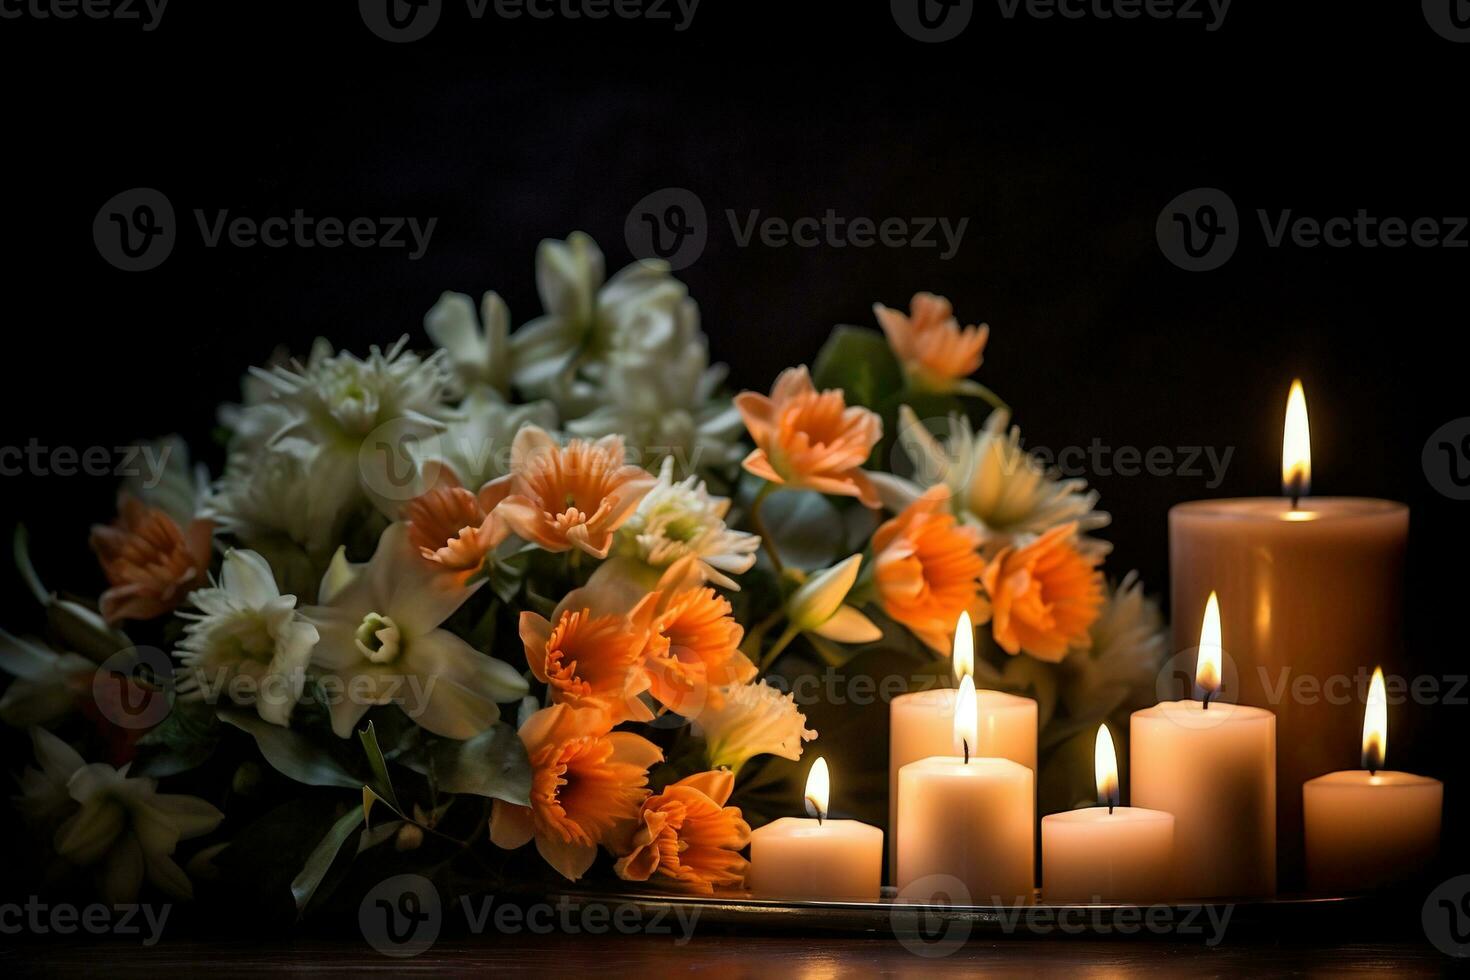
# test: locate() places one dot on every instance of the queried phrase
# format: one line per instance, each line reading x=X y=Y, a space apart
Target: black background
x=1060 y=141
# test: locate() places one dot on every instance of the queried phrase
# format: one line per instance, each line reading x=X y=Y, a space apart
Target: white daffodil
x=1120 y=669
x=749 y=720
x=476 y=444
x=480 y=351
x=994 y=482
x=676 y=520
x=245 y=629
x=818 y=605
x=380 y=643
x=122 y=829
x=46 y=685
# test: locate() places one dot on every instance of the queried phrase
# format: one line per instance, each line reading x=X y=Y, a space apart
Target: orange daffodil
x=810 y=440
x=687 y=838
x=1045 y=595
x=927 y=569
x=936 y=353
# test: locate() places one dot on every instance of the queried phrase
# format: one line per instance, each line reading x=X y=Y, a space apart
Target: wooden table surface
x=787 y=957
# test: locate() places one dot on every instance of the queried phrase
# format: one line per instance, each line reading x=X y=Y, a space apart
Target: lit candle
x=1107 y=853
x=1311 y=587
x=818 y=858
x=921 y=725
x=1212 y=765
x=1369 y=828
x=966 y=820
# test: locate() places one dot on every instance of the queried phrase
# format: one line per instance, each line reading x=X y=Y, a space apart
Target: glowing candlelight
x=1296 y=447
x=1105 y=765
x=1207 y=666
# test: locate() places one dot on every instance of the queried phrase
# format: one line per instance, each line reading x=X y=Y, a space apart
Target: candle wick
x=1294 y=490
x=1110 y=808
x=819 y=818
x=1207 y=701
x=966 y=743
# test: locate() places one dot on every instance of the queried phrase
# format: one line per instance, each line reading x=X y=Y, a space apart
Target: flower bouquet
x=529 y=607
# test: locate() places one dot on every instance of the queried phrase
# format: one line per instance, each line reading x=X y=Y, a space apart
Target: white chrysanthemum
x=476 y=444
x=123 y=829
x=752 y=719
x=245 y=628
x=1120 y=670
x=480 y=350
x=996 y=483
x=678 y=519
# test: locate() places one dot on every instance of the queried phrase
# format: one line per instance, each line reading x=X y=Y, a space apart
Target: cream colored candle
x=1309 y=591
x=1370 y=828
x=921 y=725
x=966 y=821
x=817 y=859
x=1213 y=766
x=1107 y=853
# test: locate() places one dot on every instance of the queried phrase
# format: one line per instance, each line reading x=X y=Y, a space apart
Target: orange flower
x=1045 y=596
x=563 y=498
x=149 y=561
x=810 y=440
x=688 y=837
x=930 y=344
x=698 y=652
x=592 y=659
x=587 y=785
x=450 y=526
x=927 y=569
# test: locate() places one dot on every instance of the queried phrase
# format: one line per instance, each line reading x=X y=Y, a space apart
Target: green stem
x=781 y=643
x=760 y=525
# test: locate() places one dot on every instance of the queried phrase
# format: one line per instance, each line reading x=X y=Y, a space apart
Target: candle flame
x=1296 y=446
x=1105 y=765
x=963 y=661
x=818 y=789
x=1207 y=667
x=966 y=718
x=1375 y=724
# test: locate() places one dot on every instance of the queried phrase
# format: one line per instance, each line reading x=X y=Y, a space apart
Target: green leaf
x=184 y=740
x=858 y=361
x=21 y=547
x=320 y=861
x=290 y=753
x=369 y=737
x=807 y=529
x=492 y=764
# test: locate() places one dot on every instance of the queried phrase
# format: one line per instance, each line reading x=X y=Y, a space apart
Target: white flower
x=121 y=828
x=749 y=720
x=995 y=483
x=1120 y=670
x=481 y=356
x=381 y=642
x=44 y=689
x=679 y=519
x=818 y=606
x=246 y=628
x=476 y=444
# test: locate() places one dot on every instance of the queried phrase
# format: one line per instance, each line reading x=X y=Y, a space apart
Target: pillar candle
x=1310 y=587
x=1213 y=766
x=966 y=820
x=1107 y=853
x=1370 y=828
x=816 y=859
x=921 y=725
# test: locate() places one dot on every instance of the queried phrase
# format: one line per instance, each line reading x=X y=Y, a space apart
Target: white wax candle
x=817 y=859
x=921 y=725
x=1214 y=769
